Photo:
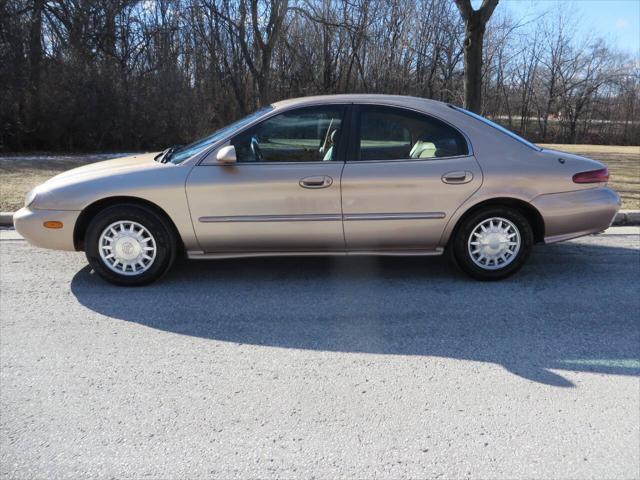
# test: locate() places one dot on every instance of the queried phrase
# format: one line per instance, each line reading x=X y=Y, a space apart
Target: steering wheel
x=255 y=148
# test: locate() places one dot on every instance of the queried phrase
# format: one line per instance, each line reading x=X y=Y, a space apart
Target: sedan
x=327 y=175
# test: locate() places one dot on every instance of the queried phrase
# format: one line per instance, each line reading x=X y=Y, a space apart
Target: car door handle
x=318 y=181
x=457 y=177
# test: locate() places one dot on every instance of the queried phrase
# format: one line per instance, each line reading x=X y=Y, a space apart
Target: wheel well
x=92 y=210
x=529 y=211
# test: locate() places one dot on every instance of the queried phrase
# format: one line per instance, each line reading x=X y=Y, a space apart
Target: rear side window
x=388 y=133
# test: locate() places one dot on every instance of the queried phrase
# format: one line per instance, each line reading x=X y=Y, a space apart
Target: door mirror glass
x=226 y=154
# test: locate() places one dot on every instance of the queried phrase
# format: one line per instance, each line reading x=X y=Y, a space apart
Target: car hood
x=105 y=168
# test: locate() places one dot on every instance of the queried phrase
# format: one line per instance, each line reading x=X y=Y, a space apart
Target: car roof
x=378 y=99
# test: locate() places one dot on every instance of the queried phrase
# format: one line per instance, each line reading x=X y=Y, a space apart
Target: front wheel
x=130 y=245
x=493 y=243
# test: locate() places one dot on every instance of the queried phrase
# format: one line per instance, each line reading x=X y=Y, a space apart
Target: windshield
x=181 y=154
x=498 y=127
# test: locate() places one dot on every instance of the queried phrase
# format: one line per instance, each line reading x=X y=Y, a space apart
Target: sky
x=618 y=21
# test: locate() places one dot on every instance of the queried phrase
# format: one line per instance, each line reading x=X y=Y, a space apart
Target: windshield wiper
x=165 y=155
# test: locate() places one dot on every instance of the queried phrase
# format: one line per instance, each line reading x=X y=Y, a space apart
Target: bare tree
x=258 y=45
x=128 y=74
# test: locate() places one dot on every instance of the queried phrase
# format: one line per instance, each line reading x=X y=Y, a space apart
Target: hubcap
x=127 y=248
x=494 y=243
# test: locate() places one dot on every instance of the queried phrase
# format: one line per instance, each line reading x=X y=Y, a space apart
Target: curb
x=627 y=217
x=6 y=219
x=623 y=218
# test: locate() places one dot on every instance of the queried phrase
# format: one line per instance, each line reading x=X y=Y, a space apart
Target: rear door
x=283 y=194
x=406 y=173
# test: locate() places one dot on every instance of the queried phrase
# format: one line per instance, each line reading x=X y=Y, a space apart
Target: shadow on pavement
x=573 y=307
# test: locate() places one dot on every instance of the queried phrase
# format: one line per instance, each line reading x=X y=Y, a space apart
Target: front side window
x=310 y=134
x=388 y=133
x=188 y=151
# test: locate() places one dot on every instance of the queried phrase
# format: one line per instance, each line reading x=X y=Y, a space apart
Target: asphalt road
x=323 y=367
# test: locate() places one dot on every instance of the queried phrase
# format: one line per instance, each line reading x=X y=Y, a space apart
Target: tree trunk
x=264 y=88
x=474 y=37
x=35 y=61
x=475 y=22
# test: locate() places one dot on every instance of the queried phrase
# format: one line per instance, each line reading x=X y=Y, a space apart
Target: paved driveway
x=323 y=367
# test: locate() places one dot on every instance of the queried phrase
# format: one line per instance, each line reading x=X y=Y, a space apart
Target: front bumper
x=29 y=223
x=574 y=214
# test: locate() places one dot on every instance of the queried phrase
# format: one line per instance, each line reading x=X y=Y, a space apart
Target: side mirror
x=226 y=154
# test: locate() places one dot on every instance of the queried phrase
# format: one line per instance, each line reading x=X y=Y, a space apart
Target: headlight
x=31 y=197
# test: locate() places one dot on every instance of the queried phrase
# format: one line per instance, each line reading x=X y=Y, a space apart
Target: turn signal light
x=592 y=176
x=52 y=224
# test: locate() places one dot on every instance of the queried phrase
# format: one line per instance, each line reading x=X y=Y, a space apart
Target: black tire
x=462 y=255
x=159 y=228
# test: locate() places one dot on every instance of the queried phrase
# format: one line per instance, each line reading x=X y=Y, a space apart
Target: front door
x=283 y=193
x=405 y=176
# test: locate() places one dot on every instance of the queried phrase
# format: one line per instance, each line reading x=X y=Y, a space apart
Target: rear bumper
x=29 y=224
x=574 y=214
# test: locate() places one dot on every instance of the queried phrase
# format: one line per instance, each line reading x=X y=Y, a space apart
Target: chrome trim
x=237 y=164
x=272 y=218
x=322 y=217
x=394 y=216
x=193 y=255
x=433 y=159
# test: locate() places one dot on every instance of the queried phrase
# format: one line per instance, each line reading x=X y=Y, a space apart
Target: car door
x=406 y=173
x=282 y=194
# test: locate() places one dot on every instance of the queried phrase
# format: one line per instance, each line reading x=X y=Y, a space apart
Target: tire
x=492 y=255
x=130 y=245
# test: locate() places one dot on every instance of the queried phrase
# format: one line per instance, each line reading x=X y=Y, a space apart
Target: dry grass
x=624 y=168
x=20 y=174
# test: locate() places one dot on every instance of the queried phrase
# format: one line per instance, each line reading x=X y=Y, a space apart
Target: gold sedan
x=330 y=175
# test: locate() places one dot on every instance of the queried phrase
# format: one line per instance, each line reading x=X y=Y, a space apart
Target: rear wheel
x=493 y=243
x=130 y=245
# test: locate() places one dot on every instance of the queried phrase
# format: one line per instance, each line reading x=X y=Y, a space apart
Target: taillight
x=592 y=176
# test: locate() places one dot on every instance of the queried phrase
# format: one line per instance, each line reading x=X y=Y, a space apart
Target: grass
x=20 y=174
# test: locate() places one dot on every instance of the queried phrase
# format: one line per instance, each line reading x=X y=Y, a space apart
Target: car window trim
x=345 y=134
x=354 y=149
x=433 y=159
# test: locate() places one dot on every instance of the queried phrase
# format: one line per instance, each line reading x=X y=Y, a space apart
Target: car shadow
x=570 y=308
